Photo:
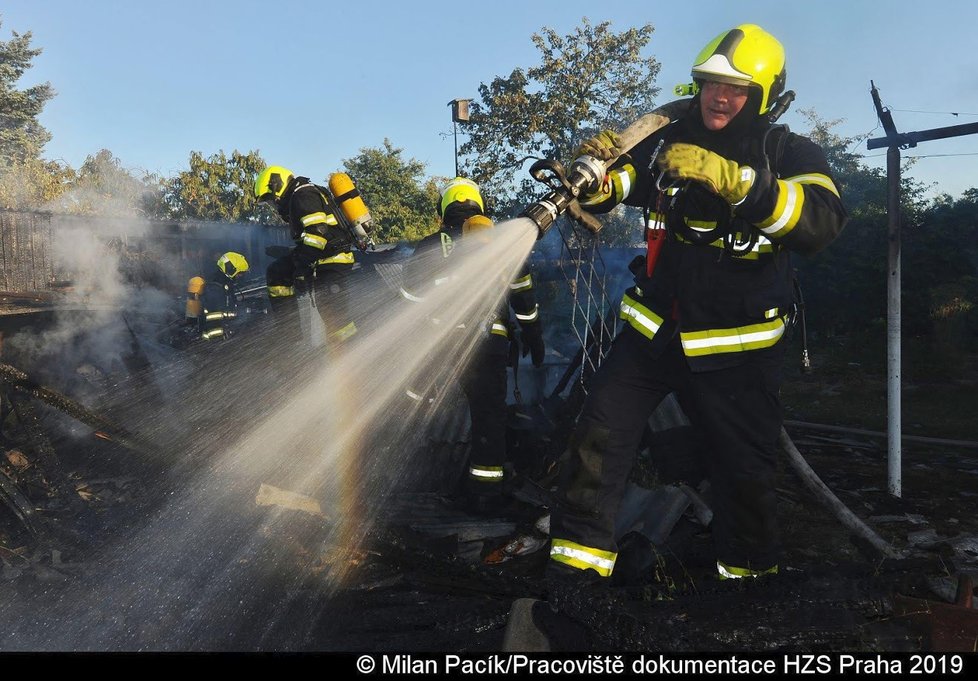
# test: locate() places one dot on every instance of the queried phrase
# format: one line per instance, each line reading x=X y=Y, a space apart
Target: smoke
x=339 y=428
x=103 y=302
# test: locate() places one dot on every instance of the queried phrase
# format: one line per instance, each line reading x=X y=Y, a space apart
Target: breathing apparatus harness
x=670 y=201
x=344 y=202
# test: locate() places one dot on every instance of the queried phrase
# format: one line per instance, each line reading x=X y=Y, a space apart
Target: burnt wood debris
x=100 y=461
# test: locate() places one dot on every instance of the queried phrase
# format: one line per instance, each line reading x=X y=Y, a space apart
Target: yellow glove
x=604 y=146
x=726 y=178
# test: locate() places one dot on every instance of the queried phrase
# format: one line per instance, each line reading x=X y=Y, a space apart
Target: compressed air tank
x=195 y=287
x=351 y=203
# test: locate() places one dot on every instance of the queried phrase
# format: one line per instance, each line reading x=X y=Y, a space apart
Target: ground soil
x=419 y=581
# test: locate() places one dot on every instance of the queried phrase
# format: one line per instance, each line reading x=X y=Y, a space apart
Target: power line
x=946 y=113
x=926 y=155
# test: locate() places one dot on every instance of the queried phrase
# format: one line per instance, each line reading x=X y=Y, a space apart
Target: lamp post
x=460 y=114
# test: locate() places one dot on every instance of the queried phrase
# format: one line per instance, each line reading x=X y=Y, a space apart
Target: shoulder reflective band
x=791 y=200
x=815 y=178
x=738 y=339
x=583 y=557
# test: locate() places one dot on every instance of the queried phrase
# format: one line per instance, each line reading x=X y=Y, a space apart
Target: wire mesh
x=593 y=318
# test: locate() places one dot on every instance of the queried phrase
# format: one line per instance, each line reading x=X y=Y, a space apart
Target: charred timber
x=21 y=382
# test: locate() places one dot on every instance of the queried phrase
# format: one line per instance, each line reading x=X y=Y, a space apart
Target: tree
x=22 y=137
x=103 y=186
x=853 y=270
x=587 y=81
x=34 y=184
x=400 y=199
x=26 y=181
x=214 y=188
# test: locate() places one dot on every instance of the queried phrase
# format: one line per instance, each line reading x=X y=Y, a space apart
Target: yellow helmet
x=232 y=264
x=460 y=190
x=271 y=182
x=746 y=55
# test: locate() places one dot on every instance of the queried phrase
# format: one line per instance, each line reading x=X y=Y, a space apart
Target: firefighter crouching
x=727 y=197
x=212 y=303
x=321 y=260
x=463 y=216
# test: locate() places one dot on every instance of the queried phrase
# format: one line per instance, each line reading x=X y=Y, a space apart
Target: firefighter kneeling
x=212 y=303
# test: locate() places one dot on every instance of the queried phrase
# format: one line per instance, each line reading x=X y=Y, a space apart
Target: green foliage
x=214 y=188
x=33 y=184
x=845 y=285
x=26 y=181
x=401 y=201
x=22 y=137
x=587 y=81
x=103 y=186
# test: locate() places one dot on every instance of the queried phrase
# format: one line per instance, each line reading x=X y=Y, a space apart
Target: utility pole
x=460 y=114
x=894 y=141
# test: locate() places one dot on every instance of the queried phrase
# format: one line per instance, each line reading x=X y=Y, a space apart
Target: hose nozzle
x=586 y=174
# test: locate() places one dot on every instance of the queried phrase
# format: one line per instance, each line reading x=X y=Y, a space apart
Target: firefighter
x=463 y=217
x=212 y=303
x=727 y=197
x=322 y=258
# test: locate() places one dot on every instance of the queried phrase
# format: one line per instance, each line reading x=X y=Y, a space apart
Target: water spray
x=585 y=176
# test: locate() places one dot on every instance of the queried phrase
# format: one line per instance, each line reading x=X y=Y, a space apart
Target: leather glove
x=604 y=146
x=533 y=343
x=727 y=178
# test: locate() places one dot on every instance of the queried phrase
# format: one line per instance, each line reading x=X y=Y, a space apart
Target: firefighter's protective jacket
x=219 y=307
x=313 y=223
x=723 y=276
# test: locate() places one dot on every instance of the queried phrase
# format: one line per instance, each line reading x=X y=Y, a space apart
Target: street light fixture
x=460 y=114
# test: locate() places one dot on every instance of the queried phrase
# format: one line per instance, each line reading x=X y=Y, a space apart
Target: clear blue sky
x=310 y=83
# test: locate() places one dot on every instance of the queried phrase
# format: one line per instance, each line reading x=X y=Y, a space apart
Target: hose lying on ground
x=849 y=519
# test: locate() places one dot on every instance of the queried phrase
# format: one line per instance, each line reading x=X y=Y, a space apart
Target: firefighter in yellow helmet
x=213 y=302
x=727 y=197
x=463 y=220
x=322 y=258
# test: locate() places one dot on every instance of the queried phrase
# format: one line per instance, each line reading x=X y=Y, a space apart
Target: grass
x=848 y=387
